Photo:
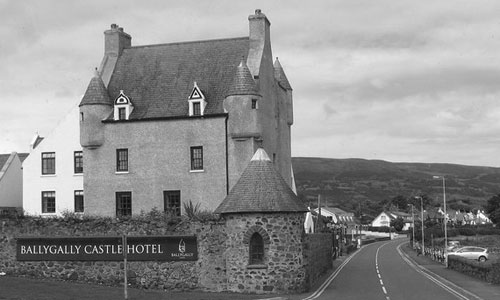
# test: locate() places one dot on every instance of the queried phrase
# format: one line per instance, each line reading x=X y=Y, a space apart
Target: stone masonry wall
x=293 y=261
x=282 y=270
x=208 y=273
x=318 y=252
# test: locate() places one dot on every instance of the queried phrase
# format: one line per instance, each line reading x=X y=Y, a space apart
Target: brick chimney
x=115 y=40
x=260 y=42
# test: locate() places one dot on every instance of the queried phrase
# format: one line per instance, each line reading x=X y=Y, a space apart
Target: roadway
x=382 y=271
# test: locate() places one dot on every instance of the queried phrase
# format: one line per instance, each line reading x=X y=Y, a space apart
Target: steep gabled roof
x=260 y=189
x=3 y=160
x=159 y=78
x=279 y=75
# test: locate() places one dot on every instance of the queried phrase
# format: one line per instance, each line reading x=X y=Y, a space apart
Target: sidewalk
x=481 y=289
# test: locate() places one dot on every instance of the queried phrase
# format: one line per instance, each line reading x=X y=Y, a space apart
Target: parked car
x=476 y=253
x=452 y=245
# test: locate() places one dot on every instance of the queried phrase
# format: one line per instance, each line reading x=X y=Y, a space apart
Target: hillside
x=363 y=185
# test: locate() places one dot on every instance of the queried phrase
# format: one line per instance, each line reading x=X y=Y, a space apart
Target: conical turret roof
x=243 y=83
x=260 y=189
x=96 y=92
x=280 y=76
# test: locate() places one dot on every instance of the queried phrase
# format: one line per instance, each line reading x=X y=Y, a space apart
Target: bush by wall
x=488 y=271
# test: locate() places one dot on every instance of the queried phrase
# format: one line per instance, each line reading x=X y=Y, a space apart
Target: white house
x=53 y=171
x=384 y=219
x=11 y=182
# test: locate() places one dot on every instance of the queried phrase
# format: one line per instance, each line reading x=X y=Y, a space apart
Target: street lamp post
x=445 y=220
x=422 y=219
x=413 y=226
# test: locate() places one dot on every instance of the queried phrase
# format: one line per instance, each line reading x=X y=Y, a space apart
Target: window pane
x=123 y=204
x=78 y=161
x=49 y=202
x=79 y=207
x=48 y=163
x=197 y=158
x=256 y=249
x=121 y=113
x=196 y=109
x=122 y=160
x=172 y=202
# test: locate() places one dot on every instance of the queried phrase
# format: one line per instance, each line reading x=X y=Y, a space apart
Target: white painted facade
x=11 y=182
x=64 y=140
x=382 y=220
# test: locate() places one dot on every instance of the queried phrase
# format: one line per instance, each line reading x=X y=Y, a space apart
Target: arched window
x=256 y=249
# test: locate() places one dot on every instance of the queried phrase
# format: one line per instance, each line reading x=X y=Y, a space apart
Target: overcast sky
x=412 y=81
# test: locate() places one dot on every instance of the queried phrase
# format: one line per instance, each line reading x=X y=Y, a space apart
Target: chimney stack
x=260 y=42
x=115 y=40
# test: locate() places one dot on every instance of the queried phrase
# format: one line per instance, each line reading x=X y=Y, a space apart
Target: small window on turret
x=254 y=104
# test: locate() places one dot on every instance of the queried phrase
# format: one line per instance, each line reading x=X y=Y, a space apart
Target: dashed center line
x=378 y=273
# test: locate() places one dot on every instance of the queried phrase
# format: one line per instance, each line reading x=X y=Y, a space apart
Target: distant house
x=338 y=217
x=53 y=171
x=11 y=182
x=384 y=219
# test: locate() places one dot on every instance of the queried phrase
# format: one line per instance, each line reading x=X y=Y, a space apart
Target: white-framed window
x=48 y=163
x=48 y=202
x=197 y=158
x=196 y=101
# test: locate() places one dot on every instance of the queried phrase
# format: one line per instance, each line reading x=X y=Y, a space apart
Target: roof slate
x=96 y=92
x=159 y=78
x=3 y=159
x=261 y=189
x=243 y=83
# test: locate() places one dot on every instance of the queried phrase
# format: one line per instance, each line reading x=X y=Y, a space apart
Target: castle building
x=170 y=124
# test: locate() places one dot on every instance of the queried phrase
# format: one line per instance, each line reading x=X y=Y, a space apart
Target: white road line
x=438 y=280
x=378 y=272
x=327 y=282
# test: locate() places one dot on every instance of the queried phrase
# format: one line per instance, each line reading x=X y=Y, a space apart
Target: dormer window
x=123 y=107
x=196 y=101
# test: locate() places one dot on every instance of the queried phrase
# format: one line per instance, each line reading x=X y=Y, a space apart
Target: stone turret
x=264 y=223
x=95 y=106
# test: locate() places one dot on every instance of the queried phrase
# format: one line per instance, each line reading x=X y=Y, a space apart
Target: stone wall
x=318 y=255
x=208 y=273
x=282 y=270
x=293 y=261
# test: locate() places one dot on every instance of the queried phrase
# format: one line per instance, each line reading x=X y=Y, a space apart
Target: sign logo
x=182 y=246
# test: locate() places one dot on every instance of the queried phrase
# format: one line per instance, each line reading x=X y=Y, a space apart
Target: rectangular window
x=196 y=109
x=254 y=103
x=78 y=162
x=123 y=204
x=48 y=163
x=122 y=113
x=48 y=202
x=79 y=201
x=172 y=202
x=197 y=158
x=122 y=160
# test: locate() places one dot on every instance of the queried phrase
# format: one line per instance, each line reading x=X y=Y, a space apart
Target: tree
x=398 y=224
x=493 y=209
x=400 y=202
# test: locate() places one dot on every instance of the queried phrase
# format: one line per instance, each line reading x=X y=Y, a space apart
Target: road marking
x=329 y=280
x=378 y=272
x=438 y=280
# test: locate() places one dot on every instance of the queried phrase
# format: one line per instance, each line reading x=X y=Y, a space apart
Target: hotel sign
x=154 y=248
